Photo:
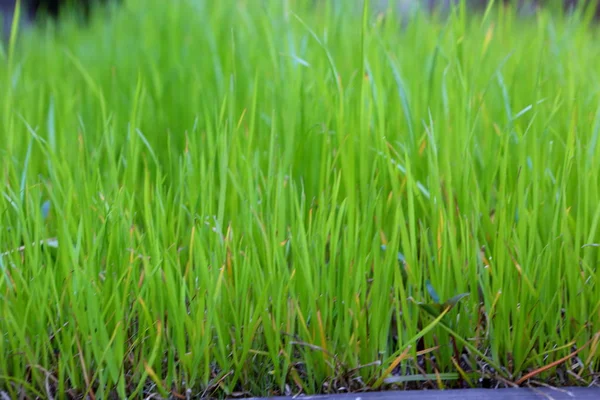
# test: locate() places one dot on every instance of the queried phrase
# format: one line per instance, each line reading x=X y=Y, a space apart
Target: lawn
x=232 y=198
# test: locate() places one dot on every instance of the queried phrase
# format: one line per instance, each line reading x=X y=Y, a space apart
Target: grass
x=259 y=198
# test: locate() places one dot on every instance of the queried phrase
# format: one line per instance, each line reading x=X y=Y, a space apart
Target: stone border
x=569 y=393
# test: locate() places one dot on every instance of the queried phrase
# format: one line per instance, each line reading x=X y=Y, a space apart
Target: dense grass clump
x=213 y=198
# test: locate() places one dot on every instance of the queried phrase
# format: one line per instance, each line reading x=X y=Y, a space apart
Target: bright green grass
x=230 y=188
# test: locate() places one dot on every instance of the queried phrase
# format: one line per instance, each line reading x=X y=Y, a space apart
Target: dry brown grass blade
x=403 y=356
x=86 y=377
x=552 y=364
